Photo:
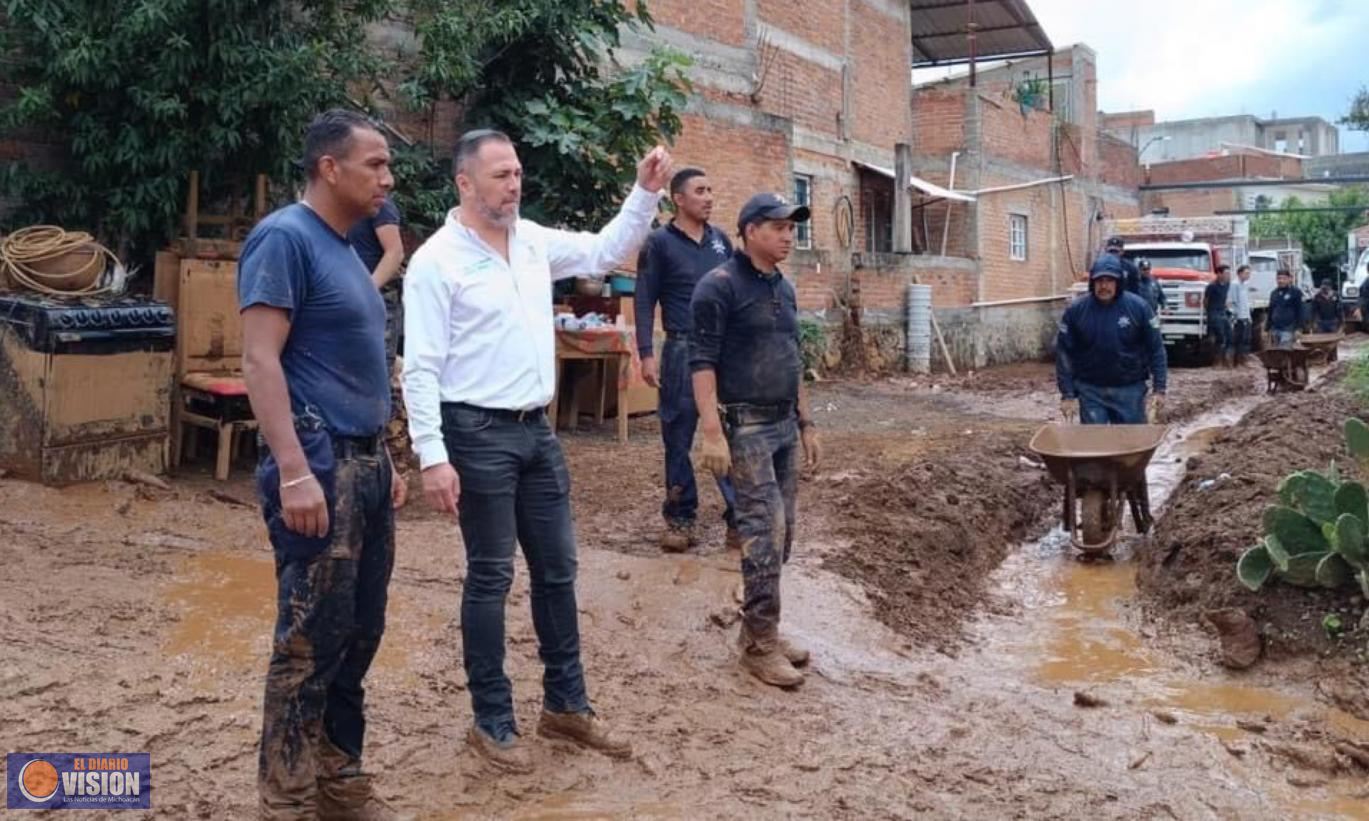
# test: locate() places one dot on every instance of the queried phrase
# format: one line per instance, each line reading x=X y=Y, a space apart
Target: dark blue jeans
x=1125 y=405
x=1219 y=326
x=330 y=616
x=679 y=417
x=515 y=488
x=765 y=475
x=1328 y=326
x=1240 y=336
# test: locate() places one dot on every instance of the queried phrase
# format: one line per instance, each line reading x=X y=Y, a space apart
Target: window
x=1017 y=236
x=803 y=195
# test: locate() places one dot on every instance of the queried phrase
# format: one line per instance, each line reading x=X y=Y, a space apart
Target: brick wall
x=804 y=92
x=1117 y=163
x=739 y=160
x=1007 y=133
x=938 y=120
x=1004 y=277
x=880 y=111
x=1198 y=202
x=1230 y=167
x=1126 y=120
x=721 y=20
x=816 y=22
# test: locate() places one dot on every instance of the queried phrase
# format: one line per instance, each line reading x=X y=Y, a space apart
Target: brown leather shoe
x=797 y=654
x=772 y=668
x=508 y=755
x=585 y=729
x=677 y=538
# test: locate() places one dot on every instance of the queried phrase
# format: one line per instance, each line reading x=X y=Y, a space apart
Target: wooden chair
x=210 y=392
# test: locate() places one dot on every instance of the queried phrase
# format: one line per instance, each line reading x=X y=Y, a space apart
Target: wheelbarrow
x=1101 y=467
x=1285 y=368
x=1324 y=347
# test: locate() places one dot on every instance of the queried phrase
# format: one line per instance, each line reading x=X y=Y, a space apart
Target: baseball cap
x=1106 y=266
x=769 y=206
x=1114 y=242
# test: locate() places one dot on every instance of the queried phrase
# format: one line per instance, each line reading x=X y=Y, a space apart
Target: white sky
x=1203 y=58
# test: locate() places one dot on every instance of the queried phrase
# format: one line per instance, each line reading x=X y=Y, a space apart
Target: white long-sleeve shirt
x=1238 y=300
x=479 y=329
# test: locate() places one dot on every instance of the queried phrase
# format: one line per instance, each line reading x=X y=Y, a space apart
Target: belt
x=347 y=447
x=745 y=413
x=532 y=415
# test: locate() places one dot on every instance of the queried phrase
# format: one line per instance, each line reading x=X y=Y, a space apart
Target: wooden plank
x=166 y=276
x=208 y=324
x=23 y=405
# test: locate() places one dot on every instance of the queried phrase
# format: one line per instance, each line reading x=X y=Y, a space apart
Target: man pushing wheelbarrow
x=1107 y=350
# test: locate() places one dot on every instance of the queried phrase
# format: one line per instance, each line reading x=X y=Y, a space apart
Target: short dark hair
x=1242 y=268
x=1283 y=272
x=682 y=177
x=469 y=145
x=330 y=135
x=1223 y=267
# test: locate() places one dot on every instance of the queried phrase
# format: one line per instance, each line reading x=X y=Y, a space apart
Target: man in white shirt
x=479 y=369
x=1238 y=302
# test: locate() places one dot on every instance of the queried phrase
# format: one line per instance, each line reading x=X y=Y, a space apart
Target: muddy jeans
x=1103 y=405
x=679 y=418
x=515 y=488
x=393 y=295
x=765 y=476
x=330 y=616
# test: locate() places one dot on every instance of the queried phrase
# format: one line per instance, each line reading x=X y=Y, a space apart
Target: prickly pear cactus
x=1319 y=535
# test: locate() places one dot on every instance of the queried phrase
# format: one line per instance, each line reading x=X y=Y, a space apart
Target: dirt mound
x=1188 y=569
x=1193 y=392
x=925 y=537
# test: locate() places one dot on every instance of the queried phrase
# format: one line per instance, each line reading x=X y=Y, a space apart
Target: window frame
x=803 y=231
x=1014 y=220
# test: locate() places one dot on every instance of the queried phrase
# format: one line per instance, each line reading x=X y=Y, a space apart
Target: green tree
x=544 y=72
x=1358 y=115
x=145 y=91
x=1320 y=233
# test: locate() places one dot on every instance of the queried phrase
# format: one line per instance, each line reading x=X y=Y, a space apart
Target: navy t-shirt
x=334 y=357
x=363 y=235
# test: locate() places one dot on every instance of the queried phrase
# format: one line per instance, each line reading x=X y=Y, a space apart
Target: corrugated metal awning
x=1003 y=29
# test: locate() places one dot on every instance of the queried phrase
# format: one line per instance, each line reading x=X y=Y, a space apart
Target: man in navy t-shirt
x=314 y=362
x=378 y=243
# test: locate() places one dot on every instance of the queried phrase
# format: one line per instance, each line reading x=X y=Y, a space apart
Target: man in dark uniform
x=314 y=361
x=672 y=260
x=753 y=415
x=1131 y=277
x=1326 y=308
x=1215 y=297
x=1150 y=289
x=1108 y=345
x=1284 y=316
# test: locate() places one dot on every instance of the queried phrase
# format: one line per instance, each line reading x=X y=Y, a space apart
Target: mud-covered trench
x=134 y=619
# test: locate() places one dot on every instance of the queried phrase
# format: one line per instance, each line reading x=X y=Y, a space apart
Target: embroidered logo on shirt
x=1124 y=322
x=719 y=248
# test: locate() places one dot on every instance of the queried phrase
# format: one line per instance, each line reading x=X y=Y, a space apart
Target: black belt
x=745 y=413
x=348 y=447
x=533 y=415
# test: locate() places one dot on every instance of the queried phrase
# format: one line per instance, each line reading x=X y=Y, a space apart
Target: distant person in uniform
x=1326 y=308
x=1218 y=320
x=1284 y=316
x=673 y=259
x=1150 y=289
x=1107 y=347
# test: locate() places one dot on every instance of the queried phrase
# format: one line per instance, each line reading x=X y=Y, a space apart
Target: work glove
x=1156 y=404
x=714 y=454
x=1069 y=409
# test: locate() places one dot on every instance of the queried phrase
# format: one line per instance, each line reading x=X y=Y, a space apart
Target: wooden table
x=610 y=345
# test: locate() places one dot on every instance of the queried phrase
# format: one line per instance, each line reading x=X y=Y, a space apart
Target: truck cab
x=1183 y=270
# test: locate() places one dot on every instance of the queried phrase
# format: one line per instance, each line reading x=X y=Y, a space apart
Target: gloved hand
x=1157 y=404
x=714 y=453
x=1069 y=409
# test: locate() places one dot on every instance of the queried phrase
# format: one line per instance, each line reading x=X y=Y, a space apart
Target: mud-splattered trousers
x=515 y=489
x=331 y=596
x=765 y=475
x=679 y=419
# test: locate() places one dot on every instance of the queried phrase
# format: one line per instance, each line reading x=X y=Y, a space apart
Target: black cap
x=770 y=207
x=1115 y=242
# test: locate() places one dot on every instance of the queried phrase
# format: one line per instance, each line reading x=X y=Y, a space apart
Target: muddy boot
x=585 y=729
x=734 y=540
x=345 y=791
x=677 y=538
x=765 y=660
x=796 y=654
x=506 y=753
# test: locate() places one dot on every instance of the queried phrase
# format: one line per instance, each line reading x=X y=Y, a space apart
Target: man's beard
x=493 y=216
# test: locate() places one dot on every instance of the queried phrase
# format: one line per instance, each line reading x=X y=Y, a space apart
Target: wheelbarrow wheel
x=1098 y=521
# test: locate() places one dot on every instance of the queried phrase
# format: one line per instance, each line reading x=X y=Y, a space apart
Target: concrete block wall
x=996 y=335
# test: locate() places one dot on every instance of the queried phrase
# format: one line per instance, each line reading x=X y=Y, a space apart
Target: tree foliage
x=1320 y=233
x=1358 y=115
x=145 y=91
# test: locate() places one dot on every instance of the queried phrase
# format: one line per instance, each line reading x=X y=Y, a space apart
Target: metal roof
x=1003 y=29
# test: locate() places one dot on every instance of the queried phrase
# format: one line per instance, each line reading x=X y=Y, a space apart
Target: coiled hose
x=26 y=258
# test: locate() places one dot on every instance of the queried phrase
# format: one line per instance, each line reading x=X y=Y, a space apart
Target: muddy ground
x=949 y=669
